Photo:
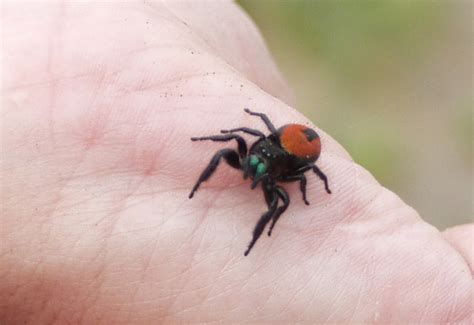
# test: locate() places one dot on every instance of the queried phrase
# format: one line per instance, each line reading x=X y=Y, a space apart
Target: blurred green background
x=392 y=82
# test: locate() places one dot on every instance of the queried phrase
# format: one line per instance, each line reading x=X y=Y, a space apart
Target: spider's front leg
x=286 y=202
x=271 y=198
x=241 y=144
x=230 y=156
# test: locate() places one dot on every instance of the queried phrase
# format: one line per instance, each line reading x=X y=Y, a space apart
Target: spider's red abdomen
x=300 y=141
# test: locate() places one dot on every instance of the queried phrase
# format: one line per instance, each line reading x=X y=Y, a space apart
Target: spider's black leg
x=242 y=145
x=323 y=178
x=264 y=219
x=267 y=191
x=265 y=119
x=286 y=202
x=230 y=156
x=302 y=179
x=250 y=131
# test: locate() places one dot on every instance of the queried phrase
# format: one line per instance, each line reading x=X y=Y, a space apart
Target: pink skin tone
x=98 y=105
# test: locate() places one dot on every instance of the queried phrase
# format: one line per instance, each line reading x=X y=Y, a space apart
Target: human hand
x=99 y=104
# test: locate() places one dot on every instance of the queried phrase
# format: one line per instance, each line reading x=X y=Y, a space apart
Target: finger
x=234 y=38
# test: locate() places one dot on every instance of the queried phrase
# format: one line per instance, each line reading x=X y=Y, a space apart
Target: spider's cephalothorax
x=282 y=156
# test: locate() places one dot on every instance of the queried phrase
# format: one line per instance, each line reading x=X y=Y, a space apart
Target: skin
x=98 y=105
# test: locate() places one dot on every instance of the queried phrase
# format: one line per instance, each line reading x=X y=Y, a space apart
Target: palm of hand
x=97 y=223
